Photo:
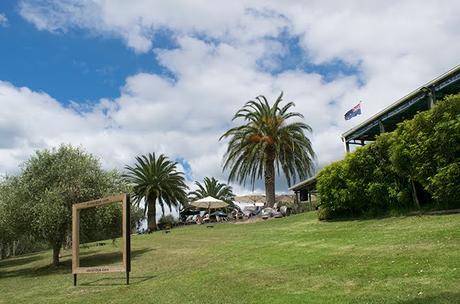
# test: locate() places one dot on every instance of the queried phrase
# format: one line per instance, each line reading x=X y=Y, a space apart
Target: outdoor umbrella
x=209 y=203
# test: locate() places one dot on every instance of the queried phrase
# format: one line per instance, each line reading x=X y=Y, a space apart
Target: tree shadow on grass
x=363 y=218
x=402 y=214
x=117 y=281
x=65 y=267
x=441 y=298
x=19 y=261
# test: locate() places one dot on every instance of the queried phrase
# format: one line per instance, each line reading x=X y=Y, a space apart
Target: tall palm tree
x=156 y=179
x=265 y=141
x=212 y=187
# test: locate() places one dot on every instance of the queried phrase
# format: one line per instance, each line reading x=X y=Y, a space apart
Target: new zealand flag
x=353 y=112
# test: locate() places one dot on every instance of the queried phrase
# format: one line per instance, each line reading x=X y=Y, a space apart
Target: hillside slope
x=289 y=260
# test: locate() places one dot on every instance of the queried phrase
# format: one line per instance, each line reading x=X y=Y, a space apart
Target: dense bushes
x=167 y=221
x=417 y=164
x=427 y=151
x=364 y=182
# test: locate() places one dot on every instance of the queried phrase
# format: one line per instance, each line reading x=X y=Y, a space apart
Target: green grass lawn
x=290 y=260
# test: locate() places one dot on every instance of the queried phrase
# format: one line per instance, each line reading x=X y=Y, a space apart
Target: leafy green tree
x=445 y=185
x=53 y=180
x=332 y=184
x=13 y=214
x=267 y=141
x=428 y=150
x=156 y=179
x=212 y=187
x=364 y=183
x=137 y=217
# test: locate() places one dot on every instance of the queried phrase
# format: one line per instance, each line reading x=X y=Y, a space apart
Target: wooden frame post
x=126 y=265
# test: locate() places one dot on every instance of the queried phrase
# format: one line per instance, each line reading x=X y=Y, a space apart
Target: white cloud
x=223 y=57
x=3 y=20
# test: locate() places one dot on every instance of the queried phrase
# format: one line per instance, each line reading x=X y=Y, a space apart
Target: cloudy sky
x=123 y=78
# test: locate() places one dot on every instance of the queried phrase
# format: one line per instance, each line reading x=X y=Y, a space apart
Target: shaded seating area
x=205 y=210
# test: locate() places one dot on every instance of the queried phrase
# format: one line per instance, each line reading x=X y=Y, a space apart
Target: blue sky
x=81 y=66
x=127 y=78
x=75 y=65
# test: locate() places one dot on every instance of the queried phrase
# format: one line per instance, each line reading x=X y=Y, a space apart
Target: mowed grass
x=291 y=260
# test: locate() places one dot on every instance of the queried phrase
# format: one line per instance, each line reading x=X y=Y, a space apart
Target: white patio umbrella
x=209 y=203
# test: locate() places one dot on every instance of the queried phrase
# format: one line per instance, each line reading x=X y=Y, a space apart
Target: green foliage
x=333 y=187
x=137 y=216
x=376 y=178
x=445 y=185
x=156 y=178
x=325 y=214
x=212 y=187
x=13 y=213
x=266 y=140
x=166 y=221
x=100 y=223
x=53 y=180
x=428 y=150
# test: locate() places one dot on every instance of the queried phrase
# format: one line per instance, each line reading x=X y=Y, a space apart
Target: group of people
x=206 y=218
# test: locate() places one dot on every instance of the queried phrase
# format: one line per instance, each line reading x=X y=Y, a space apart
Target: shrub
x=428 y=148
x=445 y=186
x=166 y=221
x=325 y=214
x=364 y=183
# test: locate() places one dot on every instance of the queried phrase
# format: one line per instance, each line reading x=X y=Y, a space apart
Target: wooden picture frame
x=126 y=235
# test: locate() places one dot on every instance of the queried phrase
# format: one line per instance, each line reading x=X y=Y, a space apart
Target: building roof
x=308 y=182
x=406 y=107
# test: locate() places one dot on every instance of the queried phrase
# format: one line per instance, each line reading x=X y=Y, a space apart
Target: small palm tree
x=212 y=187
x=156 y=179
x=265 y=141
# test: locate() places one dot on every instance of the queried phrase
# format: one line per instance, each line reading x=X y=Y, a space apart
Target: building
x=419 y=100
x=305 y=192
x=386 y=120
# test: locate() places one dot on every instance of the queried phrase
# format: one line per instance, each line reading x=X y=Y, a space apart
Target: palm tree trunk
x=151 y=214
x=270 y=178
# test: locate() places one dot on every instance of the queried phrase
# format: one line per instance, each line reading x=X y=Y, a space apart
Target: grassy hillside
x=290 y=260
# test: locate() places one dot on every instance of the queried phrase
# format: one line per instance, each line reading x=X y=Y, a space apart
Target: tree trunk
x=270 y=178
x=414 y=194
x=56 y=249
x=15 y=247
x=151 y=214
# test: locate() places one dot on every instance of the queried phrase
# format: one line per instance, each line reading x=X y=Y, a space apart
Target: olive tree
x=13 y=219
x=52 y=181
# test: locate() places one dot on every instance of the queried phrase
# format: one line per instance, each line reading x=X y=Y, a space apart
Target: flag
x=353 y=112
